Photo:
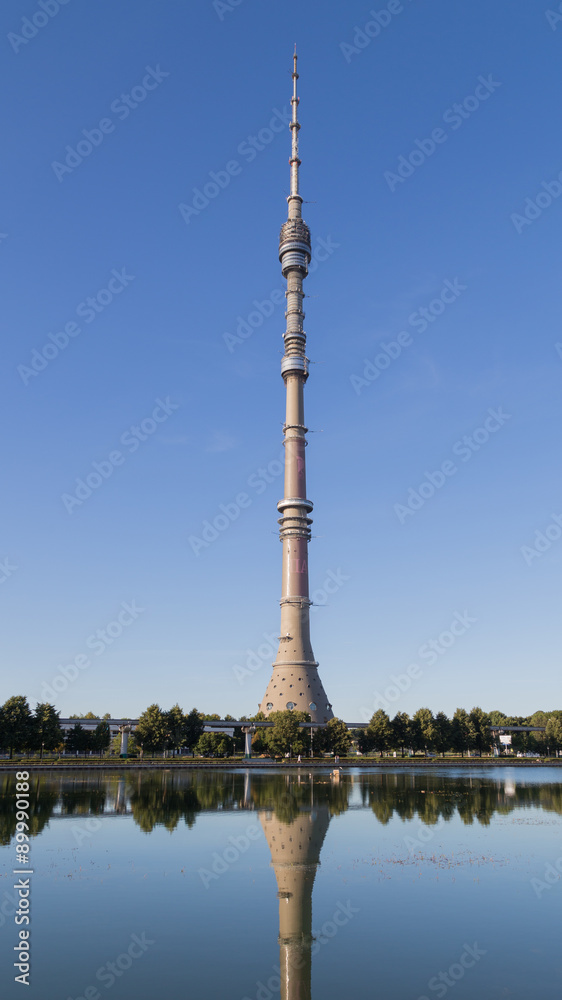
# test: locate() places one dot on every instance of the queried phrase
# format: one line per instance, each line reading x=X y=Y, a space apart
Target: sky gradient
x=146 y=171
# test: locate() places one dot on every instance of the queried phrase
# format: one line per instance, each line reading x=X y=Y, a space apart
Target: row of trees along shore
x=464 y=732
x=25 y=731
x=39 y=731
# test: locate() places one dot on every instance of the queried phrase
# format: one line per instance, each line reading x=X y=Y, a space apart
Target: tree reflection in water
x=164 y=798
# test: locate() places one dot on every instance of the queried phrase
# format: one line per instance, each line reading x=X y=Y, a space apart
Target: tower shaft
x=295 y=683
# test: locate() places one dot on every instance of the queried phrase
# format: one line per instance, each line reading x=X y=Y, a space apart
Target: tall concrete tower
x=295 y=683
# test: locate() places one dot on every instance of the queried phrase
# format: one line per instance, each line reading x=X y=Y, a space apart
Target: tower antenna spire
x=295 y=200
x=295 y=683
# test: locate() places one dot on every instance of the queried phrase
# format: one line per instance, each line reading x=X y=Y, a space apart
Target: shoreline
x=305 y=765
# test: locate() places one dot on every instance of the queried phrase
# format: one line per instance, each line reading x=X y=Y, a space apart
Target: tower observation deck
x=295 y=683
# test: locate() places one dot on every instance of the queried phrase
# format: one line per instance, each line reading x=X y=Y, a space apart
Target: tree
x=400 y=726
x=192 y=728
x=460 y=734
x=538 y=741
x=259 y=745
x=442 y=727
x=364 y=740
x=380 y=731
x=45 y=727
x=151 y=731
x=78 y=740
x=17 y=726
x=101 y=737
x=214 y=745
x=520 y=742
x=497 y=718
x=286 y=736
x=423 y=730
x=175 y=727
x=554 y=733
x=334 y=738
x=479 y=733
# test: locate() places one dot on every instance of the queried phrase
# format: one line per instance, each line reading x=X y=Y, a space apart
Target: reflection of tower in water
x=295 y=855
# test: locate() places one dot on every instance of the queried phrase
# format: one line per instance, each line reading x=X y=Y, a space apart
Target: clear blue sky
x=199 y=81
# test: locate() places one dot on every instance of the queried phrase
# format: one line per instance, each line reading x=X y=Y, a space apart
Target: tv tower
x=295 y=683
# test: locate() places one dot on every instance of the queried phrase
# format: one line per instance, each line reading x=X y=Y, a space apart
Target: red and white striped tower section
x=295 y=683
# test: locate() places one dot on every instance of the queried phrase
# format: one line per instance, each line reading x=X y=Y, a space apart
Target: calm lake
x=247 y=885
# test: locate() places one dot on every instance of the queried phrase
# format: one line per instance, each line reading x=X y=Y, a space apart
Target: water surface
x=249 y=885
